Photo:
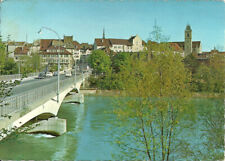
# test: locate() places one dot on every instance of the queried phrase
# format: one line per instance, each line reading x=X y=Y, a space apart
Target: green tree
x=210 y=78
x=120 y=60
x=25 y=63
x=53 y=68
x=36 y=62
x=217 y=65
x=10 y=66
x=191 y=63
x=156 y=92
x=2 y=57
x=100 y=62
x=201 y=79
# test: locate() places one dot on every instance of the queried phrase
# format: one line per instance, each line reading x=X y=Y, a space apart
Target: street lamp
x=58 y=57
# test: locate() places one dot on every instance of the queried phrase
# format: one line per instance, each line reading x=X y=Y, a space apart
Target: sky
x=85 y=19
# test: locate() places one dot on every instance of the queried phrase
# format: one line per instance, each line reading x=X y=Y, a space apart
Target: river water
x=88 y=135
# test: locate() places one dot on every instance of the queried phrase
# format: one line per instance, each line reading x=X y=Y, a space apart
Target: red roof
x=62 y=52
x=45 y=44
x=110 y=42
x=195 y=44
x=176 y=47
x=103 y=42
x=16 y=43
x=21 y=50
x=208 y=54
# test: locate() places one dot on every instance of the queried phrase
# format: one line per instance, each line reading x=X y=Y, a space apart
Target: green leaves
x=210 y=78
x=2 y=57
x=156 y=90
x=100 y=62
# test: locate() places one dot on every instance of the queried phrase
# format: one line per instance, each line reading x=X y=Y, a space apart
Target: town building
x=66 y=48
x=189 y=46
x=11 y=47
x=50 y=57
x=133 y=44
x=21 y=52
x=69 y=50
x=86 y=49
x=205 y=56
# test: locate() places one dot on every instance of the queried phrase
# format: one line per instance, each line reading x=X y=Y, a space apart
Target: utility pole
x=75 y=70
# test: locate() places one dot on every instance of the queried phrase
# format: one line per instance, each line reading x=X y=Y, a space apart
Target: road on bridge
x=36 y=83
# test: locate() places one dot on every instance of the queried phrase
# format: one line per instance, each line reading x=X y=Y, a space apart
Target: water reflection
x=88 y=135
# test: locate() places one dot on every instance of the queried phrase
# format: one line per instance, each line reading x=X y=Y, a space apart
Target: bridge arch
x=50 y=107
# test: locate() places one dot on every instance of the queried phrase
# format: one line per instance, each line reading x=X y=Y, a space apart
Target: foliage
x=120 y=60
x=156 y=92
x=36 y=62
x=109 y=81
x=25 y=65
x=191 y=63
x=2 y=57
x=210 y=78
x=30 y=64
x=7 y=65
x=10 y=66
x=100 y=62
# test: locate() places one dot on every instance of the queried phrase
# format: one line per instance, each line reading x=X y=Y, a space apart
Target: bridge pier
x=54 y=126
x=74 y=97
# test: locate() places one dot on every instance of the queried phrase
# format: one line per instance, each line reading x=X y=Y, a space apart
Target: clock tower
x=188 y=41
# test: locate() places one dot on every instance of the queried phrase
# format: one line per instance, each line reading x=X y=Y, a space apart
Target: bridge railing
x=15 y=76
x=35 y=96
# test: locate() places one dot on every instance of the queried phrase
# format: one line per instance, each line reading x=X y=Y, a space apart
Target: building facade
x=189 y=46
x=133 y=44
x=50 y=57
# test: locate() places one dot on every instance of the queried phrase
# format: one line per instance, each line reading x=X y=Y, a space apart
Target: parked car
x=49 y=74
x=55 y=73
x=41 y=75
x=68 y=74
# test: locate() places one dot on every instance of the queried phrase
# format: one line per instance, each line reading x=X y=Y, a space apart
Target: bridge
x=36 y=98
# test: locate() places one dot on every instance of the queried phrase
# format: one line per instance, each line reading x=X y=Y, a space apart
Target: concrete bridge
x=38 y=102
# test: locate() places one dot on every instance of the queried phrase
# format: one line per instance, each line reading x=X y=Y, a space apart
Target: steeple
x=103 y=36
x=188 y=40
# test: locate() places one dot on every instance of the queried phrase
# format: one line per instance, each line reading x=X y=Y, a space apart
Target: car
x=55 y=73
x=41 y=75
x=49 y=74
x=68 y=74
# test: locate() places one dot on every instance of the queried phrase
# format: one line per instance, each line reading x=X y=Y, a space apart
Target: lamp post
x=75 y=71
x=58 y=57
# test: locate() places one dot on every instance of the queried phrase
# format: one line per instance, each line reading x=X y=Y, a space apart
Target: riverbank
x=98 y=92
x=207 y=95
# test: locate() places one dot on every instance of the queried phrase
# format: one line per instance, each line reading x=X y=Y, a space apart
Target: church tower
x=188 y=41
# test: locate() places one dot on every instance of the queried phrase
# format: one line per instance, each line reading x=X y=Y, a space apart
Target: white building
x=11 y=46
x=133 y=44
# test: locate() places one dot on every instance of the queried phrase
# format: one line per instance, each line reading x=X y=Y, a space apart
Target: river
x=88 y=135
